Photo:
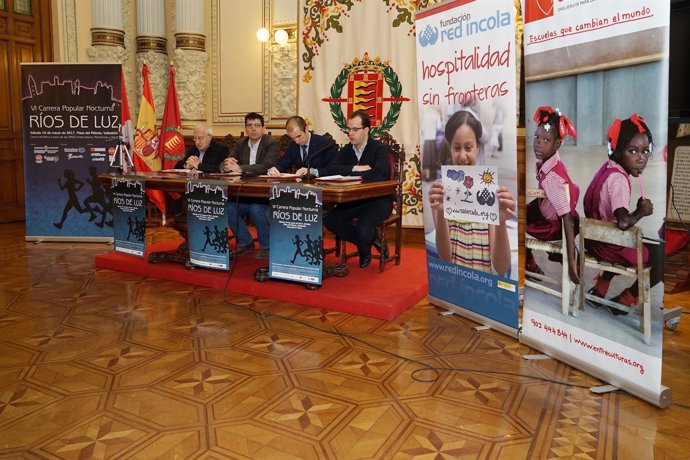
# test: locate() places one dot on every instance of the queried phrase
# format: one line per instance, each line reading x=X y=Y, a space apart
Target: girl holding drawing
x=478 y=246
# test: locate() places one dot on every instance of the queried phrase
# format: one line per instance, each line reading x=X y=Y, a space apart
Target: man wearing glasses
x=252 y=155
x=305 y=149
x=206 y=155
x=369 y=159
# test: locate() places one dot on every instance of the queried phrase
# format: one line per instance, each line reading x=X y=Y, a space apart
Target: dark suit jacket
x=375 y=155
x=266 y=157
x=214 y=156
x=293 y=154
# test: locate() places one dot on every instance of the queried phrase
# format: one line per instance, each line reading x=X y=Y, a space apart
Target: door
x=25 y=36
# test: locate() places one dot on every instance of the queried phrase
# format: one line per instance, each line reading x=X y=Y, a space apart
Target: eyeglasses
x=253 y=125
x=200 y=138
x=355 y=129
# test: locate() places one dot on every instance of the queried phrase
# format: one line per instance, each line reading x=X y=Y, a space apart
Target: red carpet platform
x=363 y=292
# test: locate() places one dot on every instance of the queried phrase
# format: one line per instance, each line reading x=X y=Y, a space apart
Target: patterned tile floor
x=99 y=364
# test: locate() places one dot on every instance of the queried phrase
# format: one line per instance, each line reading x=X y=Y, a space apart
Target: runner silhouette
x=72 y=185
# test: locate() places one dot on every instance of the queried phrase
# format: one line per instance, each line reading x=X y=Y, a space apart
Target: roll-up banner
x=207 y=223
x=71 y=115
x=129 y=215
x=467 y=109
x=596 y=102
x=296 y=233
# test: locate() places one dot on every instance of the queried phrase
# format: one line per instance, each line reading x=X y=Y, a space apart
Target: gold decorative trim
x=149 y=43
x=107 y=37
x=190 y=41
x=69 y=37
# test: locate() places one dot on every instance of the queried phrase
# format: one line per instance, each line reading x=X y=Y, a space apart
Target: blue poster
x=207 y=224
x=467 y=102
x=71 y=116
x=129 y=215
x=296 y=234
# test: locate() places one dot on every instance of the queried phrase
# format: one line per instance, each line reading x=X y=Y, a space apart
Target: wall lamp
x=280 y=36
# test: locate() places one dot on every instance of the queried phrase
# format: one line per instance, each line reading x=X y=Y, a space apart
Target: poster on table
x=129 y=215
x=467 y=109
x=70 y=118
x=207 y=224
x=296 y=233
x=596 y=62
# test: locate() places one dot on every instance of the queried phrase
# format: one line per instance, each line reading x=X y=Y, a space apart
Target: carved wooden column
x=152 y=48
x=191 y=59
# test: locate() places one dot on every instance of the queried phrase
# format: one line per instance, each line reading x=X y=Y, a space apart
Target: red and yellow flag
x=146 y=140
x=171 y=147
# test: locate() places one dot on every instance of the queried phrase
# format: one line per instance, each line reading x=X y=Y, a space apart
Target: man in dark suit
x=252 y=155
x=305 y=149
x=206 y=155
x=369 y=159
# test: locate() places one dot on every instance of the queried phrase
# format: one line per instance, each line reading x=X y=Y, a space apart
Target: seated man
x=206 y=155
x=253 y=154
x=369 y=159
x=305 y=149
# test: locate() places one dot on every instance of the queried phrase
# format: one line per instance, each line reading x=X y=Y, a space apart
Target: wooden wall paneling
x=5 y=90
x=23 y=38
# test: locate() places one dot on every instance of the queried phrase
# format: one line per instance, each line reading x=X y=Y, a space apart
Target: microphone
x=317 y=153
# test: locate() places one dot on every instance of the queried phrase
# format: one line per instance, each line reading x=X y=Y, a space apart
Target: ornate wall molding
x=190 y=41
x=191 y=84
x=279 y=76
x=70 y=50
x=283 y=94
x=158 y=76
x=150 y=43
x=128 y=66
x=215 y=83
x=107 y=53
x=107 y=37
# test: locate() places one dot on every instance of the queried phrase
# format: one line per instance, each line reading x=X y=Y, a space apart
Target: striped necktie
x=304 y=153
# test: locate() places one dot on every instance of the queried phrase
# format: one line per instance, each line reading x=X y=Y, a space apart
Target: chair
x=567 y=287
x=607 y=232
x=338 y=243
x=230 y=141
x=397 y=155
x=284 y=141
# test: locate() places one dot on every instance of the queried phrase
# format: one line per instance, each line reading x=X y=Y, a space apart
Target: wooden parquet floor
x=97 y=364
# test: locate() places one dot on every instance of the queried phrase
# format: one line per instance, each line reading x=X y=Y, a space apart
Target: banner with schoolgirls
x=467 y=110
x=596 y=104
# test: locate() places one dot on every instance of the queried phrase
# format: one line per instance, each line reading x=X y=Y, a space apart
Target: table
x=253 y=187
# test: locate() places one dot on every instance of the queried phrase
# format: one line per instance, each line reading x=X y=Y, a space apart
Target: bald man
x=305 y=149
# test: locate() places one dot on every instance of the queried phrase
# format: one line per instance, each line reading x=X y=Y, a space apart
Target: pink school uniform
x=544 y=222
x=610 y=189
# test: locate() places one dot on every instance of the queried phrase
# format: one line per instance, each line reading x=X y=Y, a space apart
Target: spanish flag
x=146 y=140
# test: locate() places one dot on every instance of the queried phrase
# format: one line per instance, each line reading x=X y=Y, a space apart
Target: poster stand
x=661 y=399
x=122 y=159
x=477 y=318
